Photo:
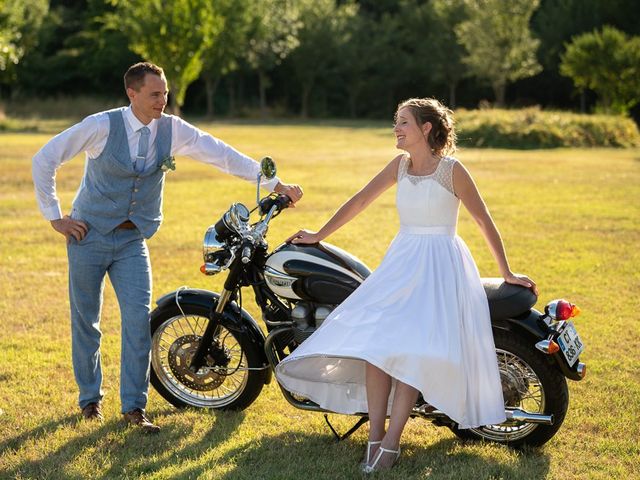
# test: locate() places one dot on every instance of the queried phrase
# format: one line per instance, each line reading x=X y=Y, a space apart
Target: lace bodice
x=427 y=200
x=443 y=173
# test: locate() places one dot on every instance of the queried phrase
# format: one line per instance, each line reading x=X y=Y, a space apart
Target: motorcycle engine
x=308 y=318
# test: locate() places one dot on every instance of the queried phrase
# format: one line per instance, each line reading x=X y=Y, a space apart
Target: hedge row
x=535 y=128
x=525 y=128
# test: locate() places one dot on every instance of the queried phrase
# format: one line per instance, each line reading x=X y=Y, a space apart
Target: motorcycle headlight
x=219 y=238
x=212 y=244
x=217 y=255
x=233 y=221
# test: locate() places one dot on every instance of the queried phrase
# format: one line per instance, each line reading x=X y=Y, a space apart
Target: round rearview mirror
x=268 y=167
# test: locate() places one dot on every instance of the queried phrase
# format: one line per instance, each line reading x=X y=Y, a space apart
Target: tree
x=555 y=23
x=19 y=24
x=437 y=55
x=322 y=35
x=272 y=37
x=173 y=35
x=446 y=51
x=223 y=55
x=501 y=48
x=371 y=56
x=76 y=54
x=606 y=61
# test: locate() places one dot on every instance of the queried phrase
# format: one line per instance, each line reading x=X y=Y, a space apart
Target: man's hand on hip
x=69 y=227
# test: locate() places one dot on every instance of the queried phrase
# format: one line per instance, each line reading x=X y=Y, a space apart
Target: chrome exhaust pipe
x=517 y=415
x=512 y=414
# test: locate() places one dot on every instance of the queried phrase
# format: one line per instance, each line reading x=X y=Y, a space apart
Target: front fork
x=207 y=346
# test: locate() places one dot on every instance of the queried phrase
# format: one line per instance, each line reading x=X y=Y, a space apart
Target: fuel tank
x=318 y=273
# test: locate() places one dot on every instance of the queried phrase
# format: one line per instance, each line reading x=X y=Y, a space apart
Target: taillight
x=561 y=310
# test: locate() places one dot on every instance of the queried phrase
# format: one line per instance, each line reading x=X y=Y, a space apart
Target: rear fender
x=529 y=325
x=233 y=318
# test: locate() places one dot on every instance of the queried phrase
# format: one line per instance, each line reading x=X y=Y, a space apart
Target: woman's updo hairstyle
x=442 y=137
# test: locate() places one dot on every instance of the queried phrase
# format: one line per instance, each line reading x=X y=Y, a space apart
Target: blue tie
x=143 y=147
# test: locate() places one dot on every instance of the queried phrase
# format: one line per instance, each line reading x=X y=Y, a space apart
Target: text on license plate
x=570 y=343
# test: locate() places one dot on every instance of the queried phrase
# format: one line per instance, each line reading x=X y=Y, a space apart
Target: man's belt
x=127 y=225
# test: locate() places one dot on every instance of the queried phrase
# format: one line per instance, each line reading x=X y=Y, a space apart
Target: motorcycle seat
x=507 y=300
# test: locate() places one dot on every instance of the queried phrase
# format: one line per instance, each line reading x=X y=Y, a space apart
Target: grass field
x=570 y=220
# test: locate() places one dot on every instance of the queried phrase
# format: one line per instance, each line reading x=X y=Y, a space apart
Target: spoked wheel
x=529 y=383
x=231 y=377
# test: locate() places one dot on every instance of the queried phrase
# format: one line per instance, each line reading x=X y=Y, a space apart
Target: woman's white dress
x=422 y=317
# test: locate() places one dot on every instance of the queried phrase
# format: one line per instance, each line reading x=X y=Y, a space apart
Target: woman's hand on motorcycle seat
x=519 y=279
x=304 y=237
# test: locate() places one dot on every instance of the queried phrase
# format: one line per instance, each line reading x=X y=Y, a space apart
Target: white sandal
x=367 y=457
x=381 y=451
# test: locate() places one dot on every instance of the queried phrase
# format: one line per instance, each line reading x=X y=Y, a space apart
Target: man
x=117 y=207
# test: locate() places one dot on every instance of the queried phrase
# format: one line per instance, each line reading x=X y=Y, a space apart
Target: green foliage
x=228 y=47
x=608 y=62
x=374 y=63
x=446 y=51
x=171 y=34
x=348 y=57
x=378 y=75
x=556 y=21
x=77 y=54
x=437 y=54
x=19 y=24
x=272 y=37
x=534 y=128
x=323 y=37
x=500 y=46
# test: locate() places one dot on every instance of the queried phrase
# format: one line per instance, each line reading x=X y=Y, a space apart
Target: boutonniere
x=169 y=163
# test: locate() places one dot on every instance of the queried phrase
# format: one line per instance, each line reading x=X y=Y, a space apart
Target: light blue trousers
x=122 y=254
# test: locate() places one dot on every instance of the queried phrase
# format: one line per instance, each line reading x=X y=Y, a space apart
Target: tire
x=545 y=386
x=174 y=339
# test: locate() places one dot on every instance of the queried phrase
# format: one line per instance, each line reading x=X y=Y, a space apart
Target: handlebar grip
x=283 y=201
x=247 y=253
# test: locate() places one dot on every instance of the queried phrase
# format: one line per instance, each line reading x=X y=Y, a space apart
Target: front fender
x=233 y=318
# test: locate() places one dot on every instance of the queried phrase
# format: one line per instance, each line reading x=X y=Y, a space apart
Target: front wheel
x=529 y=382
x=230 y=380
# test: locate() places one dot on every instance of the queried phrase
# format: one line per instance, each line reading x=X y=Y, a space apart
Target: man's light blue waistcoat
x=112 y=192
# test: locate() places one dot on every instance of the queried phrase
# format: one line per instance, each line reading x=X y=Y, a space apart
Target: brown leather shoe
x=137 y=417
x=93 y=411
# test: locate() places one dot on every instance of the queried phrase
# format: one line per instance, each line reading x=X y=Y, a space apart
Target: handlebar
x=254 y=235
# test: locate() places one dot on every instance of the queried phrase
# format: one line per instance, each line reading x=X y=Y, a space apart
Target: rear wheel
x=530 y=383
x=227 y=381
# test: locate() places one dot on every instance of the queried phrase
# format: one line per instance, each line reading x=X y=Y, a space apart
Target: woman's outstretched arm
x=466 y=190
x=352 y=207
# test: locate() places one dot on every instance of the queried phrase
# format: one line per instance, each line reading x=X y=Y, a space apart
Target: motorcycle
x=208 y=352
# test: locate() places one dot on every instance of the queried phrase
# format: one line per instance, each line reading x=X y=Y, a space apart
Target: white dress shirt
x=91 y=134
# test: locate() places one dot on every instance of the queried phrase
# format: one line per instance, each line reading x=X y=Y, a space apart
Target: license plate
x=570 y=343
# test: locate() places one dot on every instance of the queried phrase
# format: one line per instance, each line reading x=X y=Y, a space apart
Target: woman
x=419 y=323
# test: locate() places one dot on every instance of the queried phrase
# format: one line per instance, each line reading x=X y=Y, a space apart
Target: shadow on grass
x=299 y=455
x=182 y=451
x=116 y=450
